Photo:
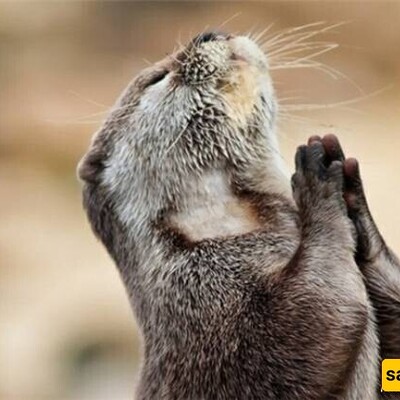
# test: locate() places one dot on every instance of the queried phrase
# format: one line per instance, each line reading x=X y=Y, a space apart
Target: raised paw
x=369 y=241
x=367 y=236
x=353 y=192
x=318 y=182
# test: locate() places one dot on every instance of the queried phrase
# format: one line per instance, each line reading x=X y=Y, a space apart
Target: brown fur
x=379 y=265
x=279 y=312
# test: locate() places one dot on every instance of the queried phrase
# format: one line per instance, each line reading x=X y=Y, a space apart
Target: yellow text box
x=391 y=375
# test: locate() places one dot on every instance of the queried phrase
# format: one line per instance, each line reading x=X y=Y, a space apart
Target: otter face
x=209 y=106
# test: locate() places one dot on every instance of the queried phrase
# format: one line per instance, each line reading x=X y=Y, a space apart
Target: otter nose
x=210 y=37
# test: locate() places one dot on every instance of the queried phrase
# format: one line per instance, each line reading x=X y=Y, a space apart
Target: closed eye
x=157 y=78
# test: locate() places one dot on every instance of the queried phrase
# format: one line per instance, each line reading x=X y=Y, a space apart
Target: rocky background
x=66 y=329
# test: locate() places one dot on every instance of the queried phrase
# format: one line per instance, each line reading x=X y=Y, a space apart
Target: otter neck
x=214 y=211
x=213 y=208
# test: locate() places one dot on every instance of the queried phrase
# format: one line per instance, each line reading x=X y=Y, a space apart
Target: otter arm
x=380 y=266
x=328 y=259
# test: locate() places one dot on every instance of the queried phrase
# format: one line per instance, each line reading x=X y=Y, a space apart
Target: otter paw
x=318 y=182
x=353 y=192
x=368 y=239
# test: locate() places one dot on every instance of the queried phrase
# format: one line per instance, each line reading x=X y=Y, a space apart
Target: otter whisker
x=84 y=117
x=259 y=36
x=179 y=40
x=148 y=62
x=305 y=47
x=293 y=63
x=288 y=116
x=250 y=33
x=296 y=40
x=288 y=42
x=180 y=62
x=173 y=144
x=339 y=74
x=283 y=99
x=298 y=45
x=288 y=34
x=339 y=104
x=230 y=19
x=299 y=37
x=72 y=122
x=90 y=101
x=322 y=50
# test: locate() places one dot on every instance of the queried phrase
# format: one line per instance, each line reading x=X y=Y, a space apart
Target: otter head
x=208 y=107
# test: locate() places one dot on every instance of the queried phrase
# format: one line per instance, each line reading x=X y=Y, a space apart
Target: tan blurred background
x=66 y=330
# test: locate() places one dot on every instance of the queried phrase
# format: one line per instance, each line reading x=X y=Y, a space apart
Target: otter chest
x=213 y=211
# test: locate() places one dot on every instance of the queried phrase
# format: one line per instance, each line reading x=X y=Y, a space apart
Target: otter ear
x=91 y=165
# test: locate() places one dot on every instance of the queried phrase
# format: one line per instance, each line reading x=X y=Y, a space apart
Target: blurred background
x=66 y=329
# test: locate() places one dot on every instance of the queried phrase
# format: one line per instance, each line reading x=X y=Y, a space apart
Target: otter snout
x=246 y=50
x=211 y=56
x=210 y=36
x=204 y=60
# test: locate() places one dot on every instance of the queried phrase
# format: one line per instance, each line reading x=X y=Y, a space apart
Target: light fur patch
x=240 y=94
x=214 y=212
x=246 y=80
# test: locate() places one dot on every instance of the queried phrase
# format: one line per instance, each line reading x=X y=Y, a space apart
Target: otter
x=245 y=284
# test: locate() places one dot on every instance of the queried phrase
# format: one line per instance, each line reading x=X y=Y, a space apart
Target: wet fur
x=276 y=312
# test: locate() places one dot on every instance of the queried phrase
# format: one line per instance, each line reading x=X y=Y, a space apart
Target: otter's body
x=240 y=292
